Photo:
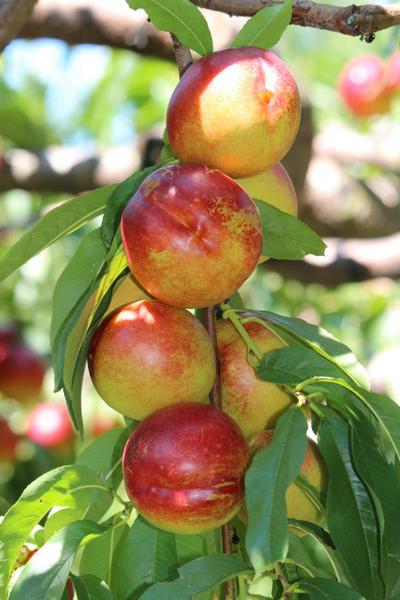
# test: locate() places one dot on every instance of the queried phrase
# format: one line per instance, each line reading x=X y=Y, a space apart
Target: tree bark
x=13 y=14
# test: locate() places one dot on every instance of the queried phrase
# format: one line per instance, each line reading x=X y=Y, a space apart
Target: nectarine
x=275 y=187
x=49 y=425
x=252 y=402
x=299 y=505
x=237 y=110
x=191 y=235
x=21 y=372
x=363 y=86
x=184 y=467
x=147 y=355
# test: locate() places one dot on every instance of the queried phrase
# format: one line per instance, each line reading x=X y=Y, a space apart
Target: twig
x=13 y=14
x=183 y=56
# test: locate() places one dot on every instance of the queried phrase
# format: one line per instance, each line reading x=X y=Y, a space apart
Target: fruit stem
x=229 y=313
x=183 y=56
x=215 y=398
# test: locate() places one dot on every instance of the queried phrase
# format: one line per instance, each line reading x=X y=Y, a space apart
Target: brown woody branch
x=350 y=20
x=79 y=22
x=13 y=14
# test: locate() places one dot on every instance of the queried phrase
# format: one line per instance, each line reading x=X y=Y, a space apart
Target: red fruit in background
x=393 y=67
x=237 y=110
x=363 y=86
x=49 y=425
x=21 y=372
x=8 y=442
x=8 y=333
x=70 y=589
x=191 y=235
x=101 y=424
x=184 y=468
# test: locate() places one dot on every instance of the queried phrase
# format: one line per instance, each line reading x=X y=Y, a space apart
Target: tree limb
x=351 y=20
x=13 y=14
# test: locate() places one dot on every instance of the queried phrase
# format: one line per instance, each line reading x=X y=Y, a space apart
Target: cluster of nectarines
x=192 y=235
x=367 y=84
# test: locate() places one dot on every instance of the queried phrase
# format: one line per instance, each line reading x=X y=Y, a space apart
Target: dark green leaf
x=53 y=226
x=350 y=514
x=328 y=589
x=285 y=236
x=266 y=27
x=97 y=556
x=67 y=486
x=98 y=456
x=272 y=471
x=322 y=342
x=46 y=573
x=89 y=587
x=144 y=556
x=301 y=555
x=181 y=18
x=294 y=365
x=120 y=197
x=199 y=575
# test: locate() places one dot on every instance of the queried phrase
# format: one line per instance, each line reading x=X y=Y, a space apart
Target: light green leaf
x=199 y=575
x=46 y=574
x=67 y=486
x=285 y=236
x=272 y=471
x=266 y=27
x=328 y=589
x=53 y=226
x=181 y=18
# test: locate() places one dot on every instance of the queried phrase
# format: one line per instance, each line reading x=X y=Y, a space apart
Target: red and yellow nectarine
x=184 y=468
x=191 y=235
x=275 y=187
x=8 y=442
x=49 y=425
x=237 y=110
x=21 y=372
x=147 y=355
x=253 y=403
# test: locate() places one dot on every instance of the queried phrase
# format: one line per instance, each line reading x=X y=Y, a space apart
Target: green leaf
x=272 y=471
x=98 y=455
x=119 y=198
x=199 y=575
x=294 y=365
x=89 y=587
x=53 y=226
x=286 y=237
x=266 y=27
x=301 y=555
x=67 y=486
x=73 y=289
x=46 y=574
x=59 y=517
x=146 y=555
x=181 y=18
x=97 y=556
x=350 y=513
x=328 y=589
x=322 y=342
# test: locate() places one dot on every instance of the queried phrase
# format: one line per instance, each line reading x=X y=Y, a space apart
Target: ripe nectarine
x=184 y=467
x=253 y=403
x=191 y=235
x=21 y=372
x=147 y=355
x=49 y=425
x=275 y=187
x=237 y=110
x=299 y=505
x=8 y=442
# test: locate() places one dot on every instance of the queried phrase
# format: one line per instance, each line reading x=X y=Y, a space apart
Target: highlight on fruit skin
x=253 y=403
x=313 y=469
x=366 y=85
x=237 y=110
x=273 y=186
x=147 y=354
x=191 y=235
x=184 y=468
